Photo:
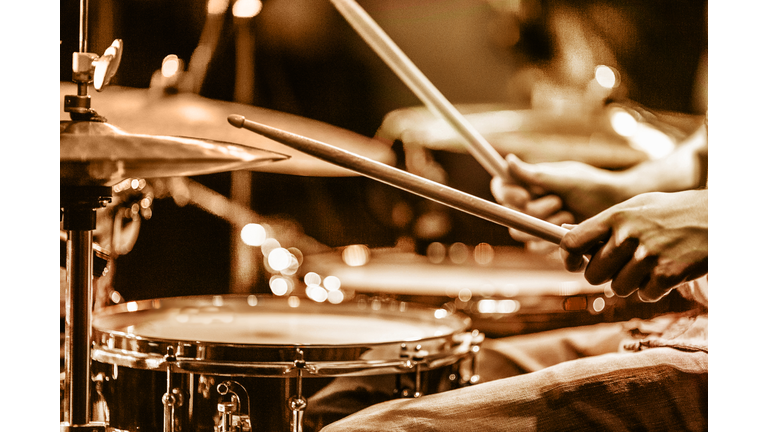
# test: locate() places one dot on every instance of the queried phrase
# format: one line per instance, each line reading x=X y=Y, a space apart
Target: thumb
x=553 y=177
x=528 y=174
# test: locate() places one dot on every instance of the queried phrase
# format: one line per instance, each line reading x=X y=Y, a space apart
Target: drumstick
x=408 y=182
x=386 y=49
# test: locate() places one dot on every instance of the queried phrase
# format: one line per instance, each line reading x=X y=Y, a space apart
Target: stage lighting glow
x=606 y=76
x=317 y=293
x=486 y=306
x=458 y=253
x=253 y=234
x=436 y=252
x=332 y=283
x=171 y=66
x=335 y=297
x=217 y=7
x=246 y=8
x=312 y=278
x=356 y=255
x=268 y=245
x=507 y=306
x=279 y=259
x=623 y=123
x=483 y=254
x=465 y=294
x=278 y=286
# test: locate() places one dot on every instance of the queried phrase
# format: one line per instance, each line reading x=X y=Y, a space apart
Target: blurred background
x=536 y=58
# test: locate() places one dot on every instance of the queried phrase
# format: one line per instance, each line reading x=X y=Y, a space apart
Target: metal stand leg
x=79 y=205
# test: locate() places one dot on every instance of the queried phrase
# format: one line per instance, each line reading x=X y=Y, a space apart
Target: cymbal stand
x=78 y=214
x=79 y=204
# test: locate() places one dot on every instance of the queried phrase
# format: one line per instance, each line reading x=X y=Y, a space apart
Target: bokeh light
x=458 y=253
x=268 y=245
x=171 y=66
x=217 y=7
x=436 y=252
x=332 y=283
x=606 y=76
x=483 y=254
x=253 y=234
x=246 y=8
x=312 y=278
x=279 y=259
x=356 y=255
x=279 y=285
x=335 y=297
x=623 y=123
x=317 y=293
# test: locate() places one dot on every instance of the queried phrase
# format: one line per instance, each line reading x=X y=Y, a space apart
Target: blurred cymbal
x=144 y=111
x=96 y=153
x=531 y=135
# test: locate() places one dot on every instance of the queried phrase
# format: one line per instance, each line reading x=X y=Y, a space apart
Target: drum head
x=264 y=329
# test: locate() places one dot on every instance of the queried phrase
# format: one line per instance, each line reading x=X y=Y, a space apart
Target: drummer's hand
x=548 y=207
x=652 y=242
x=582 y=189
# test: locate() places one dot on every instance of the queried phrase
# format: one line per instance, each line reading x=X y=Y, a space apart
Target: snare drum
x=205 y=362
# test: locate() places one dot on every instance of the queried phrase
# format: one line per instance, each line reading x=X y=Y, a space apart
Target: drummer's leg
x=515 y=355
x=498 y=358
x=654 y=389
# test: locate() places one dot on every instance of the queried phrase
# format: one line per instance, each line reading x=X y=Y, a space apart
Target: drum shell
x=133 y=397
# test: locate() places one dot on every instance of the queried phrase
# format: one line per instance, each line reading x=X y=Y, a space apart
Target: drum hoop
x=283 y=369
x=139 y=352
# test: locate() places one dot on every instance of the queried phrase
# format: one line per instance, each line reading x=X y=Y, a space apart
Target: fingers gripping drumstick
x=408 y=182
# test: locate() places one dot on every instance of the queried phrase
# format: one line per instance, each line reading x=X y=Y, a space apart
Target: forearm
x=683 y=169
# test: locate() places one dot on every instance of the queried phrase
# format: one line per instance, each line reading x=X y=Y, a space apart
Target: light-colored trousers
x=640 y=375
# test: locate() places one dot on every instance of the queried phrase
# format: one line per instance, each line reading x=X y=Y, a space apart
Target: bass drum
x=262 y=363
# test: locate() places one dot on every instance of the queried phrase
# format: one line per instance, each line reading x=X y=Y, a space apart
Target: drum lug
x=232 y=416
x=172 y=398
x=412 y=359
x=297 y=404
x=475 y=339
x=100 y=409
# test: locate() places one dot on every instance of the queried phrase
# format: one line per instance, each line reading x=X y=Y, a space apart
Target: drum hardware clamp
x=172 y=397
x=412 y=359
x=231 y=418
x=476 y=338
x=298 y=403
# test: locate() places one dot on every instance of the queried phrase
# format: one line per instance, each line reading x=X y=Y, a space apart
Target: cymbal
x=146 y=111
x=100 y=154
x=531 y=135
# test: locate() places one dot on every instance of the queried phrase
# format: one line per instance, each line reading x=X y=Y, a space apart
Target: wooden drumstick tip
x=236 y=120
